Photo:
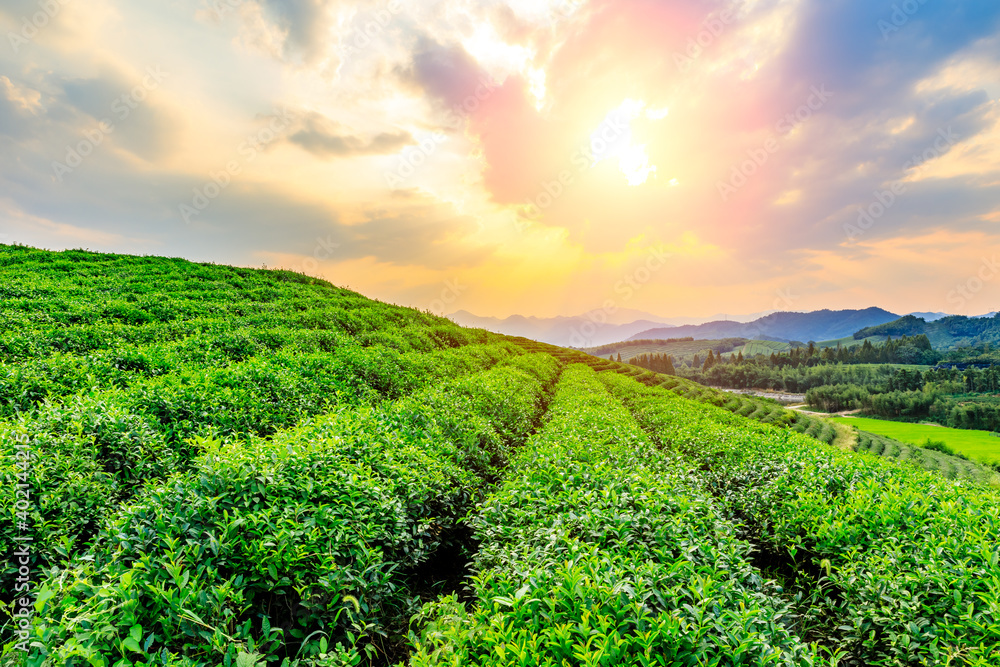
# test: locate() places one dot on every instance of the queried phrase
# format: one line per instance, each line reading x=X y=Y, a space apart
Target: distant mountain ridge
x=595 y=328
x=817 y=326
x=600 y=328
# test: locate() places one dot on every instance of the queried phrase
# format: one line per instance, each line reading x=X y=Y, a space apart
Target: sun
x=613 y=140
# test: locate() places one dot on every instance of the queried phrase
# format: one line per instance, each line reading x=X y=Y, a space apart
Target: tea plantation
x=212 y=466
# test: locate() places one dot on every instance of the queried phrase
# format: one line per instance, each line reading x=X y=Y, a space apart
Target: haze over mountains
x=596 y=327
x=600 y=328
x=568 y=331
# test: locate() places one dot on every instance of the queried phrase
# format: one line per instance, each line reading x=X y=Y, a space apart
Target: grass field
x=974 y=444
x=767 y=347
x=849 y=341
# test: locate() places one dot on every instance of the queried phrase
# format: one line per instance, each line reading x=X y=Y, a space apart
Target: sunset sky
x=536 y=157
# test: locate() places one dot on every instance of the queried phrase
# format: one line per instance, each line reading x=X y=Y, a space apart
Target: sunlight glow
x=536 y=80
x=634 y=163
x=657 y=114
x=613 y=139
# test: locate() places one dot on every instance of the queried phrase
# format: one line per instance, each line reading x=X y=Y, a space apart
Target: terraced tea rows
x=312 y=531
x=904 y=562
x=250 y=468
x=126 y=378
x=952 y=467
x=600 y=549
x=768 y=412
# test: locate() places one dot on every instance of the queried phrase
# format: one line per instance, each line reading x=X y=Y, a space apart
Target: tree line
x=865 y=377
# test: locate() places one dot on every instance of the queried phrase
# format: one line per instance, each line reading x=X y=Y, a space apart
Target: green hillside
x=850 y=341
x=766 y=347
x=948 y=333
x=681 y=350
x=207 y=466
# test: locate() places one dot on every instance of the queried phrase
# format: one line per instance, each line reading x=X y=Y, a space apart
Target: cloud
x=558 y=76
x=325 y=138
x=428 y=235
x=307 y=25
x=445 y=73
x=18 y=104
x=127 y=101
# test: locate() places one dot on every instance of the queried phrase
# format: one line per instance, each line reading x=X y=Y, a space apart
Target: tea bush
x=263 y=548
x=599 y=549
x=903 y=563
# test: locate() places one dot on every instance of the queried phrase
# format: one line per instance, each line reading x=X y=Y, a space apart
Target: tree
x=619 y=357
x=709 y=362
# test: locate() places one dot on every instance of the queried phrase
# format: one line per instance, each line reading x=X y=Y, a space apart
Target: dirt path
x=847 y=437
x=761 y=393
x=843 y=413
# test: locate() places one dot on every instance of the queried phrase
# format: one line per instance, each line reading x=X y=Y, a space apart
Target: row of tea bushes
x=297 y=547
x=600 y=549
x=94 y=451
x=902 y=565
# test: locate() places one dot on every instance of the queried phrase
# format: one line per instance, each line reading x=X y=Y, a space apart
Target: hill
x=947 y=333
x=815 y=326
x=681 y=350
x=210 y=466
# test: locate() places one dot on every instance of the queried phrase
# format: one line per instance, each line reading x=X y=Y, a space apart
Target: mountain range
x=598 y=327
x=818 y=325
x=594 y=328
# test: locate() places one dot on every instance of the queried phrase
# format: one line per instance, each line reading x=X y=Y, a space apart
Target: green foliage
x=309 y=530
x=599 y=549
x=948 y=333
x=252 y=468
x=119 y=372
x=900 y=565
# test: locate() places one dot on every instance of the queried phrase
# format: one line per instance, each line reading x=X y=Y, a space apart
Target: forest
x=884 y=380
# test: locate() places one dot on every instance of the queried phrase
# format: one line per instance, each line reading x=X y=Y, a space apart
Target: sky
x=533 y=157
